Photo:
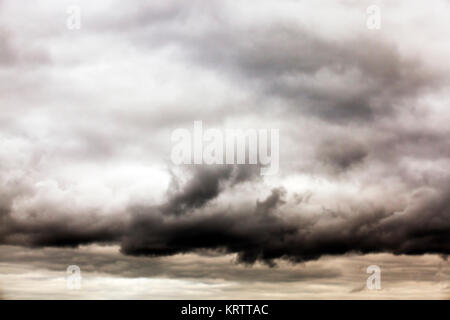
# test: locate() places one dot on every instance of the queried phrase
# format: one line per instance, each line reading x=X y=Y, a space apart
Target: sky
x=86 y=177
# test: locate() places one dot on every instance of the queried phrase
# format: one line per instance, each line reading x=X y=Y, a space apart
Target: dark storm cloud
x=207 y=185
x=264 y=233
x=286 y=61
x=61 y=228
x=48 y=225
x=358 y=85
x=60 y=231
x=156 y=234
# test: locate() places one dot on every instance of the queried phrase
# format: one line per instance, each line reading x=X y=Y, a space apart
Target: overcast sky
x=86 y=177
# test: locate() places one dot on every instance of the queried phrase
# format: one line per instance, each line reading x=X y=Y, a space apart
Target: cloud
x=7 y=54
x=85 y=134
x=265 y=233
x=358 y=78
x=206 y=185
x=30 y=273
x=342 y=155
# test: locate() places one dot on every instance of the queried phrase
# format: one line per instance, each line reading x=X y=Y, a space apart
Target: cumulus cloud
x=85 y=134
x=272 y=228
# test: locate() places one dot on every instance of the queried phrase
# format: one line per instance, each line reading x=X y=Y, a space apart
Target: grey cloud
x=264 y=234
x=354 y=92
x=198 y=266
x=206 y=185
x=13 y=55
x=7 y=54
x=60 y=230
x=342 y=154
x=256 y=236
x=285 y=60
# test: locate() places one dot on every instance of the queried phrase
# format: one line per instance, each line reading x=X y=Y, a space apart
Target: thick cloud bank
x=263 y=232
x=86 y=117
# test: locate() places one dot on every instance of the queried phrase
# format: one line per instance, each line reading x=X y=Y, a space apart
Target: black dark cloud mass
x=86 y=116
x=264 y=234
x=261 y=234
x=206 y=185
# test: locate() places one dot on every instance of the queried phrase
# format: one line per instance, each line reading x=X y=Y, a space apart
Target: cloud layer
x=86 y=118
